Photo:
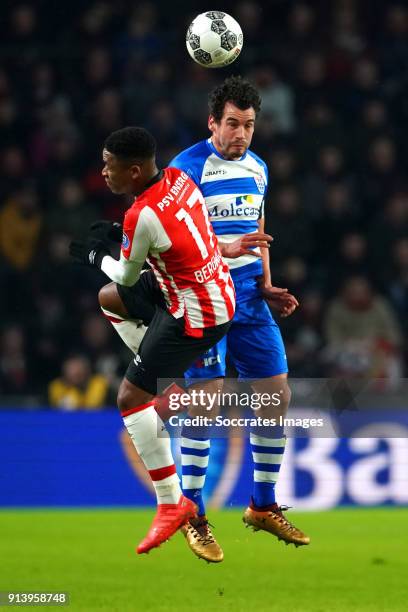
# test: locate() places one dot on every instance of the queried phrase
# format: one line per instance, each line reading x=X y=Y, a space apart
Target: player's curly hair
x=131 y=143
x=234 y=89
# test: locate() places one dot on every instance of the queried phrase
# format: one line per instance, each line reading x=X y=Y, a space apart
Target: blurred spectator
x=13 y=170
x=294 y=272
x=191 y=97
x=373 y=124
x=312 y=85
x=147 y=89
x=98 y=343
x=20 y=226
x=71 y=215
x=382 y=176
x=319 y=128
x=14 y=367
x=298 y=37
x=282 y=169
x=340 y=215
x=96 y=22
x=140 y=43
x=394 y=45
x=167 y=128
x=249 y=13
x=347 y=35
x=106 y=116
x=289 y=224
x=362 y=333
x=78 y=388
x=277 y=99
x=330 y=169
x=64 y=160
x=365 y=85
x=43 y=87
x=98 y=71
x=303 y=337
x=23 y=33
x=11 y=126
x=55 y=139
x=389 y=225
x=398 y=283
x=351 y=259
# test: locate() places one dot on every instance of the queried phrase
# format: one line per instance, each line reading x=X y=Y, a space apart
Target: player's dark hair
x=234 y=89
x=131 y=143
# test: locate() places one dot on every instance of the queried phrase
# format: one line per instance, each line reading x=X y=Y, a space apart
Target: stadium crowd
x=334 y=82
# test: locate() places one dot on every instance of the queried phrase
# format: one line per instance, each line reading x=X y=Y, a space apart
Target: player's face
x=119 y=177
x=232 y=135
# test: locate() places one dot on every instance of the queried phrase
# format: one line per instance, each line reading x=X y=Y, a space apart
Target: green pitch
x=357 y=561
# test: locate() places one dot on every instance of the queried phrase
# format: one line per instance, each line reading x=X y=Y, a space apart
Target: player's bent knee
x=105 y=295
x=110 y=300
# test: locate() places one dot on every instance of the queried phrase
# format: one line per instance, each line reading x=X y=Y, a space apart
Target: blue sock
x=194 y=462
x=267 y=454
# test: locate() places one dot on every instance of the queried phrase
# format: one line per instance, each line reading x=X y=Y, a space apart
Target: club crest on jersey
x=260 y=183
x=125 y=241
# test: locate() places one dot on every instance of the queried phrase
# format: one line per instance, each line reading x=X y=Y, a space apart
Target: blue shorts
x=254 y=342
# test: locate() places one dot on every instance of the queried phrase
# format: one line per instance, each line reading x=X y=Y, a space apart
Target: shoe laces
x=202 y=531
x=281 y=518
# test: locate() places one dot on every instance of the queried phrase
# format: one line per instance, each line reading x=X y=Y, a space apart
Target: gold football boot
x=201 y=540
x=274 y=521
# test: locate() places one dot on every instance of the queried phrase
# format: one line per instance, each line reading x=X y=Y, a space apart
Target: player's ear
x=135 y=171
x=211 y=123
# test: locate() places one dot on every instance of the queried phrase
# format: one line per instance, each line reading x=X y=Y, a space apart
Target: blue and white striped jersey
x=234 y=193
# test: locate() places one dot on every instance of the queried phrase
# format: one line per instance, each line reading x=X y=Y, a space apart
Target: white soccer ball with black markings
x=214 y=39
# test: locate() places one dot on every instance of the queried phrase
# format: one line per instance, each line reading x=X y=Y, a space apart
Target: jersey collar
x=155 y=179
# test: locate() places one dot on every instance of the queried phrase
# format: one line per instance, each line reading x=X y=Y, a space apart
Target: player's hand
x=106 y=230
x=89 y=252
x=244 y=245
x=279 y=299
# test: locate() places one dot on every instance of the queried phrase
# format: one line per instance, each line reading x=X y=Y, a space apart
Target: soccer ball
x=214 y=39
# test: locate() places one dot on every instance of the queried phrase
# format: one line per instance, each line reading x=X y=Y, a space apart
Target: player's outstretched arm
x=245 y=244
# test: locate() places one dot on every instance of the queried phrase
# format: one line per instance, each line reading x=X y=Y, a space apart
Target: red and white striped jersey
x=168 y=224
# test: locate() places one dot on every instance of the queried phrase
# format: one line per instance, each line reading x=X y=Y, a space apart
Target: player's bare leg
x=194 y=457
x=152 y=442
x=267 y=447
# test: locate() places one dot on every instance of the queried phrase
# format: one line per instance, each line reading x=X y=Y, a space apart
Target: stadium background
x=333 y=129
x=333 y=80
